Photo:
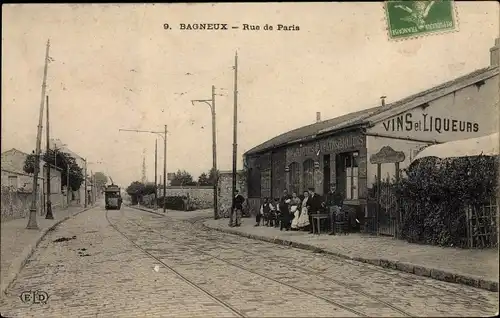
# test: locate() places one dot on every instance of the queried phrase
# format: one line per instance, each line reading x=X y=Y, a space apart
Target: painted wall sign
x=331 y=145
x=425 y=122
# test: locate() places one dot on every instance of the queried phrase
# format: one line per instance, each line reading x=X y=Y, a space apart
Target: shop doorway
x=346 y=169
x=326 y=174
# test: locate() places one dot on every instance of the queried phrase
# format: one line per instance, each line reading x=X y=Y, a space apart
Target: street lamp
x=164 y=136
x=211 y=104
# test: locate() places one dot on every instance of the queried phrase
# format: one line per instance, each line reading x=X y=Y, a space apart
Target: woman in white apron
x=295 y=210
x=304 y=215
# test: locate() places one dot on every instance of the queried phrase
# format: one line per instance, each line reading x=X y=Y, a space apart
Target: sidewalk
x=18 y=243
x=477 y=268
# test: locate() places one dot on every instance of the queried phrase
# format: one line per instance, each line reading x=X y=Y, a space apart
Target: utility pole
x=235 y=129
x=165 y=171
x=211 y=103
x=85 y=182
x=156 y=170
x=143 y=176
x=214 y=158
x=32 y=224
x=68 y=188
x=162 y=134
x=91 y=187
x=48 y=215
x=94 y=189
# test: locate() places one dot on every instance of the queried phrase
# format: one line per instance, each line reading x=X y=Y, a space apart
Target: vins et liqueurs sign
x=410 y=122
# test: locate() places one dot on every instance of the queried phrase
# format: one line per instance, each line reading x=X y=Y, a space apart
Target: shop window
x=294 y=177
x=265 y=181
x=308 y=174
x=351 y=176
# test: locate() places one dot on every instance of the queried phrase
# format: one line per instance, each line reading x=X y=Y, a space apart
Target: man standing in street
x=315 y=204
x=237 y=209
x=333 y=203
x=286 y=220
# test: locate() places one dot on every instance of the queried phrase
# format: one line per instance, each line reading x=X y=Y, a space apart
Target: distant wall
x=16 y=205
x=225 y=195
x=201 y=197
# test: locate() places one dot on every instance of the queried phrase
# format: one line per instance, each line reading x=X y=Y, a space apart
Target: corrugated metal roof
x=310 y=130
x=375 y=114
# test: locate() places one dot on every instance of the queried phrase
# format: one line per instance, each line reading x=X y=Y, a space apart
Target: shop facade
x=358 y=150
x=339 y=158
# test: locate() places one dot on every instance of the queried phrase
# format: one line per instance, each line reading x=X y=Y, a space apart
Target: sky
x=114 y=66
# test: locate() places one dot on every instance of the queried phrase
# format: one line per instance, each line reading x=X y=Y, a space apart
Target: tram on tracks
x=112 y=197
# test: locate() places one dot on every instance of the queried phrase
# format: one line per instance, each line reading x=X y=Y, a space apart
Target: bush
x=435 y=193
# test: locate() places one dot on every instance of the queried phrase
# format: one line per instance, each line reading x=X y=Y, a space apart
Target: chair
x=341 y=223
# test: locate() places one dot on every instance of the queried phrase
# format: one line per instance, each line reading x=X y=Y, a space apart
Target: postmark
x=410 y=19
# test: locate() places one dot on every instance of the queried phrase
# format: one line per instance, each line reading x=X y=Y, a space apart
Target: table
x=319 y=217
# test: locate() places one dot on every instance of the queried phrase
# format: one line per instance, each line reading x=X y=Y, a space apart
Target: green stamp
x=408 y=18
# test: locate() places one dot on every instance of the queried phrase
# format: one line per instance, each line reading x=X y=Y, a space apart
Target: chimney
x=495 y=53
x=382 y=98
x=318 y=117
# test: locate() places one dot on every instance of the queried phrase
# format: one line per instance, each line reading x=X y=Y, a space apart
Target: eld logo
x=34 y=297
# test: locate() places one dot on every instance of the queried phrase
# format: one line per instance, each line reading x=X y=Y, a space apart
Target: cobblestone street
x=131 y=263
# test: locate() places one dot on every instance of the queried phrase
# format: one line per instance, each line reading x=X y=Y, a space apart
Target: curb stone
x=145 y=210
x=28 y=251
x=418 y=270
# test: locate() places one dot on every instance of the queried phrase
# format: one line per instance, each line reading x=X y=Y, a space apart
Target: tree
x=212 y=175
x=149 y=188
x=203 y=180
x=136 y=191
x=60 y=160
x=29 y=163
x=100 y=179
x=182 y=178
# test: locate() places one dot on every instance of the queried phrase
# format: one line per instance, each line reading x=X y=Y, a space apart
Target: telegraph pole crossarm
x=211 y=104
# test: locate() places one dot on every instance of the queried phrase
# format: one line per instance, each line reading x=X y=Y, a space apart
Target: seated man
x=333 y=203
x=271 y=216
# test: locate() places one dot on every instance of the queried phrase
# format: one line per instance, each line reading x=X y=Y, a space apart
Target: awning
x=486 y=145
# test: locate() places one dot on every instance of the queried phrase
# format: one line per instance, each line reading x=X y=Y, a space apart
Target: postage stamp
x=409 y=19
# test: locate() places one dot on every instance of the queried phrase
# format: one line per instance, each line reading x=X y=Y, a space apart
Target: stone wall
x=15 y=205
x=225 y=191
x=201 y=197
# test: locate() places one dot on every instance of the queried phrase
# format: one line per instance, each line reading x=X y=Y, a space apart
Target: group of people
x=293 y=213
